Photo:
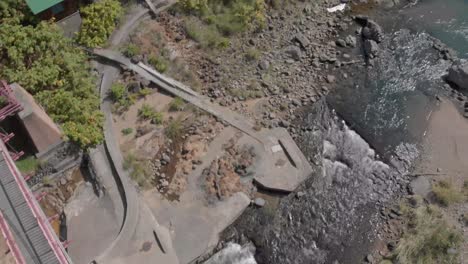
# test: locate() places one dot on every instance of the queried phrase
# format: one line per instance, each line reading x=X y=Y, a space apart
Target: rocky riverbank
x=343 y=211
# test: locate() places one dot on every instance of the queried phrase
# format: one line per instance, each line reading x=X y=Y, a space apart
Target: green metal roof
x=38 y=6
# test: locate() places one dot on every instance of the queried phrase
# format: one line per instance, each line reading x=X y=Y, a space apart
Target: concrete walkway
x=138 y=226
x=279 y=147
x=195 y=224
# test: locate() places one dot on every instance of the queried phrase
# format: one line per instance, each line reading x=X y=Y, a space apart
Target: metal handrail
x=51 y=237
x=10 y=240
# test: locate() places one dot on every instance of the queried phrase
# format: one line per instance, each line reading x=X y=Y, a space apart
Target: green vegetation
x=3 y=101
x=121 y=97
x=99 y=21
x=177 y=104
x=465 y=219
x=428 y=238
x=118 y=92
x=145 y=92
x=207 y=35
x=157 y=118
x=131 y=50
x=140 y=170
x=127 y=131
x=174 y=129
x=28 y=165
x=445 y=194
x=57 y=74
x=47 y=181
x=252 y=54
x=147 y=112
x=246 y=94
x=227 y=16
x=210 y=22
x=16 y=12
x=386 y=261
x=158 y=62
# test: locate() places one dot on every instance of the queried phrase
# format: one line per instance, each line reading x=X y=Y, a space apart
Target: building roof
x=38 y=6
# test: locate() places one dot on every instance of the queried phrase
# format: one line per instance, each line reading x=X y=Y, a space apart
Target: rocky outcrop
x=458 y=74
x=371 y=30
x=371 y=48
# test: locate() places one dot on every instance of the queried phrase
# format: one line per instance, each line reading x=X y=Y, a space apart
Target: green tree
x=57 y=74
x=99 y=20
x=16 y=11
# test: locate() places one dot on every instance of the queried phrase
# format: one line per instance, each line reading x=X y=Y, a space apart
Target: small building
x=65 y=12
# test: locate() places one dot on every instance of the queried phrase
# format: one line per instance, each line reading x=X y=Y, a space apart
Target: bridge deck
x=26 y=230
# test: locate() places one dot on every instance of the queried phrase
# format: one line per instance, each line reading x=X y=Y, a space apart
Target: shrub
x=131 y=50
x=140 y=170
x=445 y=194
x=57 y=74
x=228 y=17
x=177 y=104
x=158 y=62
x=428 y=238
x=145 y=92
x=118 y=92
x=146 y=112
x=207 y=35
x=157 y=118
x=252 y=54
x=3 y=101
x=16 y=12
x=127 y=131
x=99 y=21
x=28 y=165
x=246 y=94
x=174 y=129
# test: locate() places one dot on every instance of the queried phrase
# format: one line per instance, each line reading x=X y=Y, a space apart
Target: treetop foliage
x=16 y=11
x=57 y=73
x=99 y=21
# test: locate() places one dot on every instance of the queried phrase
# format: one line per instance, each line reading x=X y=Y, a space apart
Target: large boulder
x=370 y=29
x=458 y=74
x=371 y=48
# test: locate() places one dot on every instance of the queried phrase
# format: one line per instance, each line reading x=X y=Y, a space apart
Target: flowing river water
x=386 y=109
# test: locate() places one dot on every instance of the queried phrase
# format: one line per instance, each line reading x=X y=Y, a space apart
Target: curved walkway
x=129 y=196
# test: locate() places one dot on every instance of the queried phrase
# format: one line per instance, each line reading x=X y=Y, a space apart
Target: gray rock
x=134 y=87
x=264 y=65
x=284 y=123
x=296 y=102
x=294 y=52
x=458 y=74
x=420 y=186
x=259 y=202
x=341 y=43
x=371 y=48
x=136 y=59
x=300 y=194
x=369 y=258
x=165 y=158
x=302 y=40
x=331 y=79
x=144 y=83
x=63 y=181
x=351 y=41
x=372 y=31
